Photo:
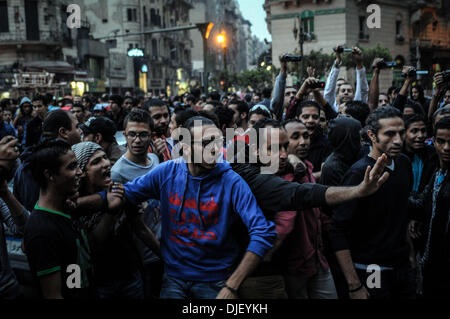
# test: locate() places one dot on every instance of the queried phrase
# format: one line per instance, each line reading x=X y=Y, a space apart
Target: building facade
x=326 y=23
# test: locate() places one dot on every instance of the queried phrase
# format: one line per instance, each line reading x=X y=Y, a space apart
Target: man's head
x=240 y=109
x=225 y=116
x=289 y=94
x=128 y=103
x=299 y=138
x=63 y=125
x=213 y=96
x=416 y=132
x=256 y=98
x=345 y=93
x=267 y=93
x=383 y=100
x=138 y=132
x=413 y=108
x=439 y=114
x=272 y=144
x=39 y=107
x=26 y=106
x=78 y=109
x=160 y=114
x=344 y=137
x=339 y=82
x=7 y=115
x=55 y=168
x=257 y=113
x=392 y=94
x=417 y=93
x=115 y=103
x=206 y=140
x=442 y=141
x=358 y=110
x=309 y=113
x=100 y=130
x=76 y=99
x=94 y=164
x=323 y=120
x=386 y=131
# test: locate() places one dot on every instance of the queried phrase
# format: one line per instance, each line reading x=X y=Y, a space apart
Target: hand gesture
x=311 y=71
x=374 y=177
x=358 y=57
x=439 y=80
x=283 y=64
x=159 y=146
x=9 y=151
x=375 y=64
x=338 y=55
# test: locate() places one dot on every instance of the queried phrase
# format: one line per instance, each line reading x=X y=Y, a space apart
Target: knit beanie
x=84 y=151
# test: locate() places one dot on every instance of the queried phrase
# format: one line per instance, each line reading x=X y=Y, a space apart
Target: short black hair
x=54 y=121
x=308 y=103
x=373 y=121
x=267 y=93
x=214 y=103
x=391 y=89
x=409 y=119
x=190 y=123
x=210 y=115
x=139 y=116
x=358 y=110
x=46 y=156
x=242 y=107
x=39 y=97
x=417 y=107
x=182 y=116
x=263 y=123
x=442 y=110
x=214 y=95
x=190 y=98
x=259 y=109
x=116 y=99
x=155 y=103
x=443 y=124
x=225 y=116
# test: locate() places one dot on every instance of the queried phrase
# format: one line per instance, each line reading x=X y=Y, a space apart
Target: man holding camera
x=345 y=92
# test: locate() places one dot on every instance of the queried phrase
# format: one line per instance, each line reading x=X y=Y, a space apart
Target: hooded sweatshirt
x=344 y=138
x=197 y=214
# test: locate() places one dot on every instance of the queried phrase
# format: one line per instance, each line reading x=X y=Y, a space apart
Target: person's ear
x=62 y=133
x=48 y=175
x=243 y=115
x=372 y=136
x=98 y=138
x=186 y=150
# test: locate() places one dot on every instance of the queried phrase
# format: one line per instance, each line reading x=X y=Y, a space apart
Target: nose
x=398 y=139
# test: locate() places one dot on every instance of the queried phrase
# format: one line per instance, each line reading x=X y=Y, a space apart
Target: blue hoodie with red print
x=196 y=217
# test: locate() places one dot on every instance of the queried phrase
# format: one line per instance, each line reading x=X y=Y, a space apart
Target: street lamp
x=222 y=40
x=205 y=30
x=111 y=44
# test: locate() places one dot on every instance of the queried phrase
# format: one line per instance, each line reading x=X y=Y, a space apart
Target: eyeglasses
x=144 y=136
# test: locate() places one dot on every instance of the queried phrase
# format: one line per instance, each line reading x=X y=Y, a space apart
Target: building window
x=363 y=34
x=132 y=15
x=145 y=17
x=308 y=22
x=4 y=23
x=154 y=47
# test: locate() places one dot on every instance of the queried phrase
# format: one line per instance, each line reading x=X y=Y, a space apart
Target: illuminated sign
x=135 y=52
x=144 y=68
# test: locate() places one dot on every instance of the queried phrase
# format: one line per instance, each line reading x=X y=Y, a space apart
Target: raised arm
x=402 y=96
x=438 y=93
x=277 y=102
x=362 y=88
x=374 y=90
x=330 y=85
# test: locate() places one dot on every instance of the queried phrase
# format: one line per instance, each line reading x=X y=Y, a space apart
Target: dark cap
x=102 y=125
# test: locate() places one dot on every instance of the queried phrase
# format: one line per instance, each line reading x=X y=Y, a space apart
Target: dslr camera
x=291 y=58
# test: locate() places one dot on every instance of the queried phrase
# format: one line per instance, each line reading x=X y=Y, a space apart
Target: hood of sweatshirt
x=344 y=138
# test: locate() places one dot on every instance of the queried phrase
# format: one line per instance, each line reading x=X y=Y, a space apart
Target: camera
x=318 y=85
x=291 y=58
x=383 y=64
x=341 y=49
x=446 y=75
x=413 y=72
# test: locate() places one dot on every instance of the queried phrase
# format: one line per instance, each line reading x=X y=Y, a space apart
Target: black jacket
x=319 y=149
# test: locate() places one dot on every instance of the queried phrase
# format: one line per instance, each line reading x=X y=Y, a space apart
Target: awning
x=60 y=67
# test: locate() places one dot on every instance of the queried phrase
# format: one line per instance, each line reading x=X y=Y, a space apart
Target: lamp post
x=222 y=40
x=111 y=44
x=205 y=30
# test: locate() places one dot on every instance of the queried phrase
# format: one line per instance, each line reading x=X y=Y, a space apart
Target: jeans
x=398 y=283
x=318 y=286
x=123 y=289
x=176 y=288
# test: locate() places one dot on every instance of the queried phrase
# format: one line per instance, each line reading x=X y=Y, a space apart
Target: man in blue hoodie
x=201 y=201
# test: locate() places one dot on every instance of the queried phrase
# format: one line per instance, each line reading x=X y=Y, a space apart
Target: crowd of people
x=358 y=207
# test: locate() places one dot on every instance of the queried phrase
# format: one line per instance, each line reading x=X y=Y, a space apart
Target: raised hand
x=374 y=177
